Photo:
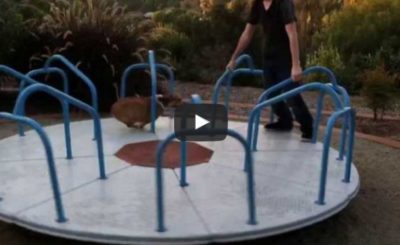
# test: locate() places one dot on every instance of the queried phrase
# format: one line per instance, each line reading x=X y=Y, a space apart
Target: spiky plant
x=100 y=36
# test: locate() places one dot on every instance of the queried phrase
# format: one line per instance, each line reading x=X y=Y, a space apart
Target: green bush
x=363 y=34
x=364 y=27
x=164 y=37
x=189 y=22
x=152 y=5
x=329 y=56
x=177 y=49
x=378 y=90
x=11 y=27
x=101 y=37
x=16 y=44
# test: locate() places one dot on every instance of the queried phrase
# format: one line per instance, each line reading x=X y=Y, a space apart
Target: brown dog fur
x=135 y=112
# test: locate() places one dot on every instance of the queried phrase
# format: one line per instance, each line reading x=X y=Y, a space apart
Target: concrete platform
x=122 y=209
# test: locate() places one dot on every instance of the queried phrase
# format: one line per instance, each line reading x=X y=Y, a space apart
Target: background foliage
x=101 y=37
x=197 y=37
x=365 y=34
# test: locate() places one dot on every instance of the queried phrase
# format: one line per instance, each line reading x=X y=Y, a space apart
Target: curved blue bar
x=308 y=71
x=247 y=71
x=144 y=66
x=171 y=77
x=20 y=77
x=153 y=71
x=227 y=79
x=325 y=154
x=245 y=58
x=236 y=73
x=44 y=71
x=350 y=147
x=21 y=104
x=77 y=72
x=318 y=116
x=125 y=75
x=253 y=135
x=11 y=72
x=61 y=218
x=320 y=104
x=65 y=106
x=80 y=74
x=323 y=70
x=218 y=85
x=346 y=101
x=272 y=89
x=159 y=178
x=196 y=99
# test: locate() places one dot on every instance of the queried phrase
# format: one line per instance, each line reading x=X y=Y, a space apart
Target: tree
x=364 y=28
x=310 y=15
x=361 y=30
x=378 y=90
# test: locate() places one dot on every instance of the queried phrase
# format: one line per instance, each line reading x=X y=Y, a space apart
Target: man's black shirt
x=273 y=20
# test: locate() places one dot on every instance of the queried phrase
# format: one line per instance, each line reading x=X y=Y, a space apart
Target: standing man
x=281 y=59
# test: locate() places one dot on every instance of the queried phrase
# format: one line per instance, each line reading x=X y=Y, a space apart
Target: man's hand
x=297 y=73
x=244 y=41
x=231 y=65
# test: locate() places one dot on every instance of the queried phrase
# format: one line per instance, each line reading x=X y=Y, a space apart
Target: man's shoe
x=278 y=126
x=306 y=138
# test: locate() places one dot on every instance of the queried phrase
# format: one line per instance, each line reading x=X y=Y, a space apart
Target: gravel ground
x=373 y=217
x=250 y=95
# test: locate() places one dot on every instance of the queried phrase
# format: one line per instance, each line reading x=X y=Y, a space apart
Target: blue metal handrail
x=61 y=218
x=220 y=82
x=153 y=67
x=246 y=59
x=153 y=71
x=159 y=176
x=65 y=106
x=308 y=71
x=47 y=71
x=80 y=74
x=320 y=105
x=341 y=112
x=196 y=99
x=228 y=76
x=333 y=82
x=348 y=113
x=227 y=80
x=21 y=77
x=21 y=104
x=254 y=115
x=145 y=66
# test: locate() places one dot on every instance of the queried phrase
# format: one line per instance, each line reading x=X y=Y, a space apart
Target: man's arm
x=291 y=31
x=244 y=41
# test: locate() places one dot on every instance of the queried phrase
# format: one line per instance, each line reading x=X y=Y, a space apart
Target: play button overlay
x=200 y=122
x=204 y=122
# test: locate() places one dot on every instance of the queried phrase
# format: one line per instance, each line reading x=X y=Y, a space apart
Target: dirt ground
x=249 y=95
x=373 y=217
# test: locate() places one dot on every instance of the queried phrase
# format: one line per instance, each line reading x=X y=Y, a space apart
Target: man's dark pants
x=275 y=73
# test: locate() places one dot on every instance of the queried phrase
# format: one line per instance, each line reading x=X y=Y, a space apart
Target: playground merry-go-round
x=70 y=181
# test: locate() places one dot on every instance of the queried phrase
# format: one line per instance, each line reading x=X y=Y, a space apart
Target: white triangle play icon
x=200 y=122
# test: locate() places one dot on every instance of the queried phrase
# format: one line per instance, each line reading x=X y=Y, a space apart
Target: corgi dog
x=135 y=112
